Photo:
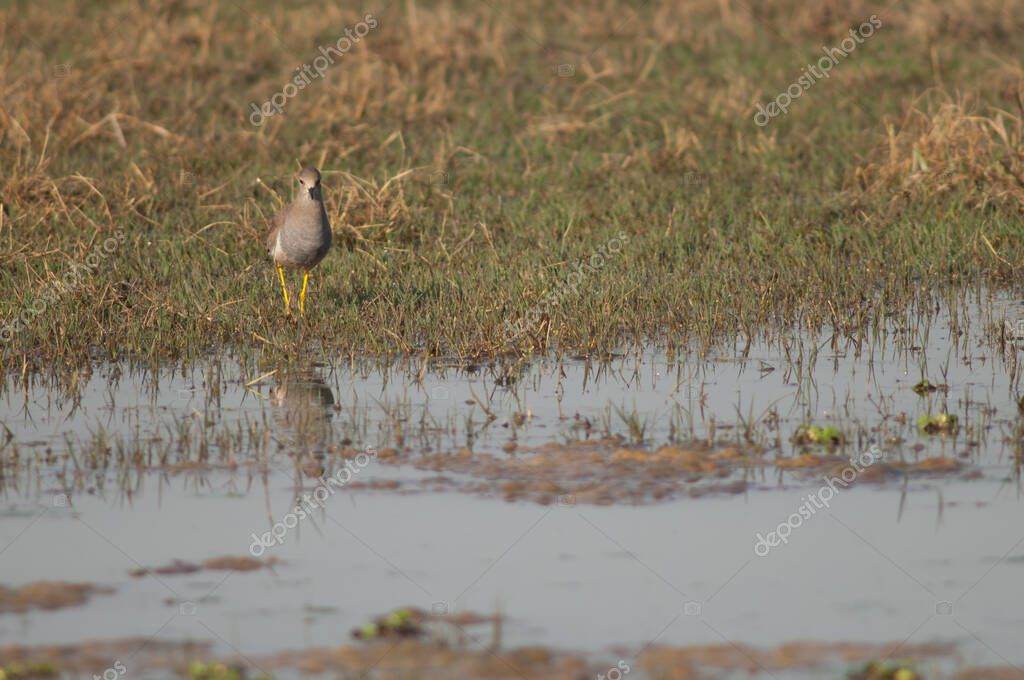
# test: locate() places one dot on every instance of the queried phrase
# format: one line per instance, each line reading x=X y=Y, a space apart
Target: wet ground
x=702 y=514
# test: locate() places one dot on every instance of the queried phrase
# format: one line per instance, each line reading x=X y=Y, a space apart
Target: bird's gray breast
x=306 y=240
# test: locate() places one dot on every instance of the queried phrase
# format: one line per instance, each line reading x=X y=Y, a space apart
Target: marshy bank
x=729 y=489
x=608 y=377
x=585 y=179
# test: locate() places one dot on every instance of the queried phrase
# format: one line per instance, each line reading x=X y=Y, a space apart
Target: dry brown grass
x=950 y=147
x=457 y=154
x=706 y=23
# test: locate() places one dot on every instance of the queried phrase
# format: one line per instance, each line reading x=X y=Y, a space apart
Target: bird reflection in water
x=303 y=407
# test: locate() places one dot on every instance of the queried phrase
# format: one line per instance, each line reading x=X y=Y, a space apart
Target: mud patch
x=598 y=472
x=678 y=663
x=428 y=659
x=878 y=472
x=991 y=673
x=92 y=656
x=227 y=563
x=605 y=472
x=409 y=622
x=411 y=658
x=18 y=671
x=47 y=595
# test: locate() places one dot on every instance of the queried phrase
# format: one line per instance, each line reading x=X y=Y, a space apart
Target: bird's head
x=309 y=181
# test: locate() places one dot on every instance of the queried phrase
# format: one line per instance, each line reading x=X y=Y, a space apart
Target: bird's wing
x=279 y=219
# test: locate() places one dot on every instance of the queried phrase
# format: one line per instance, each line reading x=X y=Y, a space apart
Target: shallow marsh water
x=130 y=468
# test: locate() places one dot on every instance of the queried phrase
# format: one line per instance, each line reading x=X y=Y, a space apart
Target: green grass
x=507 y=174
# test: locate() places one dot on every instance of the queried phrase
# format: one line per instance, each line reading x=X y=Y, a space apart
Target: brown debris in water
x=679 y=663
x=607 y=471
x=411 y=658
x=86 y=657
x=593 y=472
x=430 y=659
x=604 y=471
x=407 y=622
x=877 y=472
x=807 y=460
x=990 y=673
x=226 y=563
x=229 y=563
x=937 y=465
x=47 y=595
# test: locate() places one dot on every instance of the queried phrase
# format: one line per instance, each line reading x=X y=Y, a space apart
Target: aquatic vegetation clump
x=828 y=435
x=30 y=671
x=197 y=670
x=926 y=387
x=940 y=423
x=398 y=623
x=886 y=670
x=438 y=627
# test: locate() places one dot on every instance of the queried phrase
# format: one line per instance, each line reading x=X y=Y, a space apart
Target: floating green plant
x=925 y=387
x=368 y=631
x=812 y=434
x=399 y=617
x=940 y=423
x=198 y=670
x=885 y=670
x=17 y=671
x=398 y=623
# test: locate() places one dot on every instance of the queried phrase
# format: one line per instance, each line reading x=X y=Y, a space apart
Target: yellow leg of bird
x=284 y=289
x=302 y=295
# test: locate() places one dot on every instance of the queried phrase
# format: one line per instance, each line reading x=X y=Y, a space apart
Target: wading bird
x=301 y=235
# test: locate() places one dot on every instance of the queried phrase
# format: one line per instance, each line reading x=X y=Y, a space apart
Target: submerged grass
x=475 y=155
